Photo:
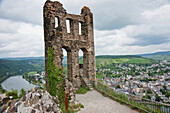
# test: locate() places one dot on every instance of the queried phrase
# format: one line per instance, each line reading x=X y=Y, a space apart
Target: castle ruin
x=79 y=36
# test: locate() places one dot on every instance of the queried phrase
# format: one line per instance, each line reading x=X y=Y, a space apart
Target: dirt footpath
x=94 y=102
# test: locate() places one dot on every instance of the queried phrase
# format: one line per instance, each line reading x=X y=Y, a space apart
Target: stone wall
x=57 y=36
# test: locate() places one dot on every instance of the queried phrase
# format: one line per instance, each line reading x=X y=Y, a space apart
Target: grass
x=107 y=61
x=103 y=61
x=32 y=72
x=121 y=60
x=73 y=108
x=99 y=76
x=139 y=61
x=82 y=90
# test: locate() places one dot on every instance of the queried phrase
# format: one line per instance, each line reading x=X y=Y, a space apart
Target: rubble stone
x=34 y=104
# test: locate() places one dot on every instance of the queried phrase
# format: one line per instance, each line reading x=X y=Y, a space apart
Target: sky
x=121 y=27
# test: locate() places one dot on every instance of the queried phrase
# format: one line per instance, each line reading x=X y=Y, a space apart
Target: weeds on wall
x=55 y=77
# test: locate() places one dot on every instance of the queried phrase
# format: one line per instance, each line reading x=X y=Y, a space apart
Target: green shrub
x=13 y=93
x=81 y=106
x=82 y=90
x=22 y=93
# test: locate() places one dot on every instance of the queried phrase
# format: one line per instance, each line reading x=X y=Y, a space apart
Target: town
x=143 y=80
x=146 y=81
x=35 y=78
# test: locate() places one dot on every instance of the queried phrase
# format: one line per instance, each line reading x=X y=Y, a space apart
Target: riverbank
x=2 y=79
x=16 y=82
x=35 y=79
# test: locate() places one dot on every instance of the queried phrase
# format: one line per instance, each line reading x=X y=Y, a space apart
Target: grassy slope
x=32 y=72
x=140 y=61
x=104 y=61
x=107 y=60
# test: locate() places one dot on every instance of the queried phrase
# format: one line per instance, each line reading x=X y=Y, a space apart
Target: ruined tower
x=79 y=36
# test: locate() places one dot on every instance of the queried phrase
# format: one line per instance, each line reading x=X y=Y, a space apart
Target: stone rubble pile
x=35 y=101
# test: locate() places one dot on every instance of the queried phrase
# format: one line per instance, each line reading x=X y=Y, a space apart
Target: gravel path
x=94 y=102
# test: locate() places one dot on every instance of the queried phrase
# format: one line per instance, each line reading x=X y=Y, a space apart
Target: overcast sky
x=121 y=26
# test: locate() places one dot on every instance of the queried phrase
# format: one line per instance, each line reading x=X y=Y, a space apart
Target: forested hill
x=25 y=58
x=18 y=67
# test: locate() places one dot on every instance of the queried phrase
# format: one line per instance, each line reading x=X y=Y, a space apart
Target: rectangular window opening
x=56 y=22
x=79 y=28
x=68 y=25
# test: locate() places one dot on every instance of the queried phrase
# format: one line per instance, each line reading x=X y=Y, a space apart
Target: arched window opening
x=64 y=62
x=79 y=28
x=68 y=24
x=83 y=62
x=56 y=22
x=80 y=56
x=81 y=70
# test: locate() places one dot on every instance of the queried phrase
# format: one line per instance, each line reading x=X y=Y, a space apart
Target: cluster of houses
x=142 y=84
x=39 y=78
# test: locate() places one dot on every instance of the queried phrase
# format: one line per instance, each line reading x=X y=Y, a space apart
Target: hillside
x=127 y=59
x=123 y=59
x=158 y=55
x=18 y=67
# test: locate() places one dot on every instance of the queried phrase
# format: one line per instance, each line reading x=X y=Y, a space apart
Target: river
x=16 y=82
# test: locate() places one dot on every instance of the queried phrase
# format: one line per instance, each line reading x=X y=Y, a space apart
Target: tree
x=148 y=96
x=164 y=87
x=125 y=80
x=163 y=91
x=167 y=94
x=157 y=98
x=22 y=93
x=13 y=93
x=118 y=86
x=2 y=90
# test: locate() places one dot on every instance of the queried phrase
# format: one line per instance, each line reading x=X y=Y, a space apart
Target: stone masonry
x=58 y=36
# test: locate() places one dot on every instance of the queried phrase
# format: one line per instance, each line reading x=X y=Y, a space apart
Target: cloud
x=24 y=40
x=114 y=14
x=120 y=44
x=29 y=11
x=121 y=26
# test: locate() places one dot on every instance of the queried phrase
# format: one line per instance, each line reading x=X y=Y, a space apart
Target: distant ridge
x=98 y=56
x=24 y=58
x=165 y=55
x=156 y=53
